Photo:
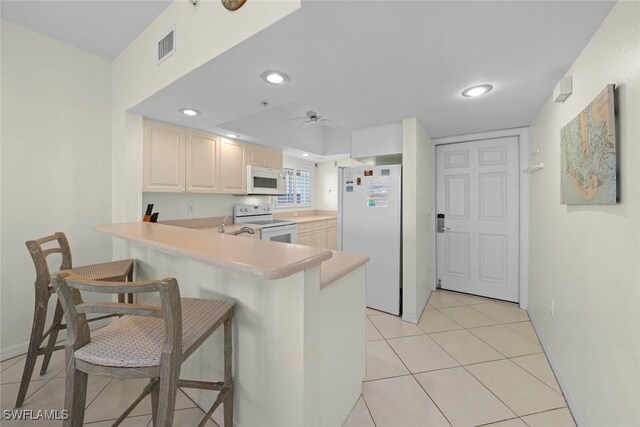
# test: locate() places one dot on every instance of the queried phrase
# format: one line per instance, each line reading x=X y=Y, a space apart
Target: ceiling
x=358 y=63
x=101 y=27
x=366 y=63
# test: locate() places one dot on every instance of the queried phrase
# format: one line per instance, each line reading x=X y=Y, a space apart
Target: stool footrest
x=221 y=397
x=147 y=390
x=202 y=385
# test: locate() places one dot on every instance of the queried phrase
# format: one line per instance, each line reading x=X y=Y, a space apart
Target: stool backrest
x=40 y=254
x=68 y=288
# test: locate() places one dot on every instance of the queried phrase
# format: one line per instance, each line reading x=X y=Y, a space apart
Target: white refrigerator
x=370 y=208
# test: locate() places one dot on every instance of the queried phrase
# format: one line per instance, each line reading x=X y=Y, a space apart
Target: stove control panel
x=252 y=210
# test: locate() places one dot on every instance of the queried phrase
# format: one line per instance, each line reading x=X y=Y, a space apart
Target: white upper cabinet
x=233 y=167
x=256 y=156
x=178 y=160
x=164 y=158
x=264 y=157
x=202 y=162
x=274 y=159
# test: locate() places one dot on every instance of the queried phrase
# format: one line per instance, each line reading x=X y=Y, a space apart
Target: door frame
x=522 y=134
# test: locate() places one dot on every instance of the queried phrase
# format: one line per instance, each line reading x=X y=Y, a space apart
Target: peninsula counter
x=299 y=325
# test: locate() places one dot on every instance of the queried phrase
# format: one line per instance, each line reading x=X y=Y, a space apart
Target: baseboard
x=21 y=348
x=571 y=402
x=415 y=318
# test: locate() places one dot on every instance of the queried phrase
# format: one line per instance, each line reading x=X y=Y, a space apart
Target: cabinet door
x=306 y=238
x=233 y=167
x=274 y=159
x=202 y=163
x=257 y=156
x=332 y=238
x=320 y=238
x=163 y=158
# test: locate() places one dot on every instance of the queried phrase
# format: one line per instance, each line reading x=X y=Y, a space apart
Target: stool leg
x=227 y=405
x=130 y=279
x=167 y=389
x=39 y=318
x=53 y=336
x=75 y=394
x=155 y=395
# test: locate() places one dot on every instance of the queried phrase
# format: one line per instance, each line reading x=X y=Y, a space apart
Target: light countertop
x=252 y=257
x=311 y=218
x=341 y=264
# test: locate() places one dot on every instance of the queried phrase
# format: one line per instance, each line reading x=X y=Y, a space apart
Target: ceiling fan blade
x=294 y=119
x=306 y=125
x=329 y=123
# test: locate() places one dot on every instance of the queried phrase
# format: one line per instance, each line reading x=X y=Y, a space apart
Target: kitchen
x=205 y=165
x=248 y=140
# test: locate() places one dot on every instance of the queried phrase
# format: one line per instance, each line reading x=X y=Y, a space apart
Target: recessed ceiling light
x=477 y=90
x=189 y=112
x=275 y=77
x=305 y=154
x=232 y=135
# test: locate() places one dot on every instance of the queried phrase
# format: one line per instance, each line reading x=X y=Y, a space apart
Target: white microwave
x=265 y=181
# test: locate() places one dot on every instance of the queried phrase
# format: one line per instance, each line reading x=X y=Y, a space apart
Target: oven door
x=261 y=181
x=285 y=234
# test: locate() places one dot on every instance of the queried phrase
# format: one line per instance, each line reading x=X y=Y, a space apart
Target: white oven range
x=261 y=217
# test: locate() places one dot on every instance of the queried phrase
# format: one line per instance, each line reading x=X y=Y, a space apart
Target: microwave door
x=265 y=181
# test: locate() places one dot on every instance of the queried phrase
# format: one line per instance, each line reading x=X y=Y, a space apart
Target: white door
x=478 y=194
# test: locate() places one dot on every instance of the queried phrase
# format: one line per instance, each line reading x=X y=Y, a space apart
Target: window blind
x=297 y=188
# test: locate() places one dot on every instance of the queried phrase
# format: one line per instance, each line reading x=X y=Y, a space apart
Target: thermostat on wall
x=563 y=90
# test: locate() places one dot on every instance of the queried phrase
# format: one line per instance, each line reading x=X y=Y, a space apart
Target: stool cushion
x=136 y=341
x=113 y=270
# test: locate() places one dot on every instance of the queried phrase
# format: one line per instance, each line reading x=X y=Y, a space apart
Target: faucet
x=244 y=230
x=221 y=226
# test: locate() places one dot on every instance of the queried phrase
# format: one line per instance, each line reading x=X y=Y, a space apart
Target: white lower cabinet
x=319 y=234
x=332 y=238
x=305 y=239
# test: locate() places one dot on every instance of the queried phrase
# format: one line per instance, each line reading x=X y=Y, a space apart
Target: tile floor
x=106 y=398
x=470 y=361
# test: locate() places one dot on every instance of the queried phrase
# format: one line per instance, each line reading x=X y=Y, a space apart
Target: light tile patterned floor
x=106 y=398
x=470 y=361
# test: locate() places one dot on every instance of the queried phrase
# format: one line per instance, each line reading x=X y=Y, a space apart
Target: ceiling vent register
x=166 y=46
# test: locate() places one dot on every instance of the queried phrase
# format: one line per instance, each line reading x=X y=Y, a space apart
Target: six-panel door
x=477 y=189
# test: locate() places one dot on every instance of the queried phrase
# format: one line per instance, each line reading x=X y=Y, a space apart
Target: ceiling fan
x=311 y=119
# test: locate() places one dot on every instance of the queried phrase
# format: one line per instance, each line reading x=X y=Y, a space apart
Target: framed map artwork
x=588 y=154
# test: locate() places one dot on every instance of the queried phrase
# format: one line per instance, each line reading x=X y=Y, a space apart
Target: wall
x=377 y=141
x=200 y=36
x=417 y=223
x=56 y=170
x=175 y=205
x=335 y=141
x=327 y=186
x=586 y=258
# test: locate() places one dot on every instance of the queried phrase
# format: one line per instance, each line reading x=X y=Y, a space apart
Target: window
x=297 y=188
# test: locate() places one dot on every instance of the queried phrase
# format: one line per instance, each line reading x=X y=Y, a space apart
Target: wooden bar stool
x=113 y=271
x=151 y=340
